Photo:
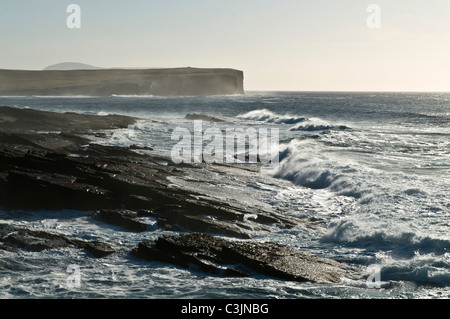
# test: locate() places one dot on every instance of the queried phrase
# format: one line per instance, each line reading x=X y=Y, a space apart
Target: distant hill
x=70 y=66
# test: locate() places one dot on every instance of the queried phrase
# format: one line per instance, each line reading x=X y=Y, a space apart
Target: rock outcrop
x=236 y=258
x=107 y=82
x=28 y=120
x=13 y=238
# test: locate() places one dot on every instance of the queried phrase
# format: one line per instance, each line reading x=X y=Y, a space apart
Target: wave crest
x=359 y=233
x=317 y=125
x=303 y=165
x=264 y=115
x=300 y=123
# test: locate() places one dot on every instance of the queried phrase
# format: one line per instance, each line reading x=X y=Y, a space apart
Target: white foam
x=267 y=116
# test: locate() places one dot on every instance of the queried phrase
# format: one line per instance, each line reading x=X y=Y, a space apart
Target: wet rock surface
x=13 y=238
x=228 y=258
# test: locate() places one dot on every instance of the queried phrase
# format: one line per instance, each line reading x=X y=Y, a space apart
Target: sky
x=281 y=45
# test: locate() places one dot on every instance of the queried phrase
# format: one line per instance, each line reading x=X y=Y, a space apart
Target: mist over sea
x=372 y=169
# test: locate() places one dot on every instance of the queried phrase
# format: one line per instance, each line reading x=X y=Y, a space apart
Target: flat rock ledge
x=218 y=256
x=14 y=238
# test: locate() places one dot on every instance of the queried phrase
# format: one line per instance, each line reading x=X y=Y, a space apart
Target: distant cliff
x=106 y=82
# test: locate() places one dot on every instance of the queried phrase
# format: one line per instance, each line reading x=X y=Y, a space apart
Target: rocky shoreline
x=47 y=162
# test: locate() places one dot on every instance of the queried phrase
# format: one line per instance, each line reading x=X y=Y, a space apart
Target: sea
x=373 y=169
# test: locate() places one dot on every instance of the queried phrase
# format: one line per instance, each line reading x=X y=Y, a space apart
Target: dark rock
x=97 y=248
x=19 y=120
x=204 y=117
x=13 y=238
x=228 y=258
x=8 y=248
x=125 y=218
x=283 y=262
x=141 y=148
x=31 y=240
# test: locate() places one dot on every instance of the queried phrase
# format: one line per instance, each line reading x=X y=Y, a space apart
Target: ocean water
x=372 y=168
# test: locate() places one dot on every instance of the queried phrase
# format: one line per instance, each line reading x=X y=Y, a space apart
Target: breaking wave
x=402 y=254
x=300 y=123
x=267 y=116
x=400 y=242
x=317 y=125
x=301 y=163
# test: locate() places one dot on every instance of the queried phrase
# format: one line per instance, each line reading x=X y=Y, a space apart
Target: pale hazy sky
x=279 y=44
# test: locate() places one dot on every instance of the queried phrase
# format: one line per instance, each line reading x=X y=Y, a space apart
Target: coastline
x=46 y=163
x=107 y=82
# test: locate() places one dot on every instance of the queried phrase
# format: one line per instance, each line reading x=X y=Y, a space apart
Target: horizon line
x=343 y=91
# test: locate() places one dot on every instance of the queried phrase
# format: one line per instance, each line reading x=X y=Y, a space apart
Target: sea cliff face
x=107 y=82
